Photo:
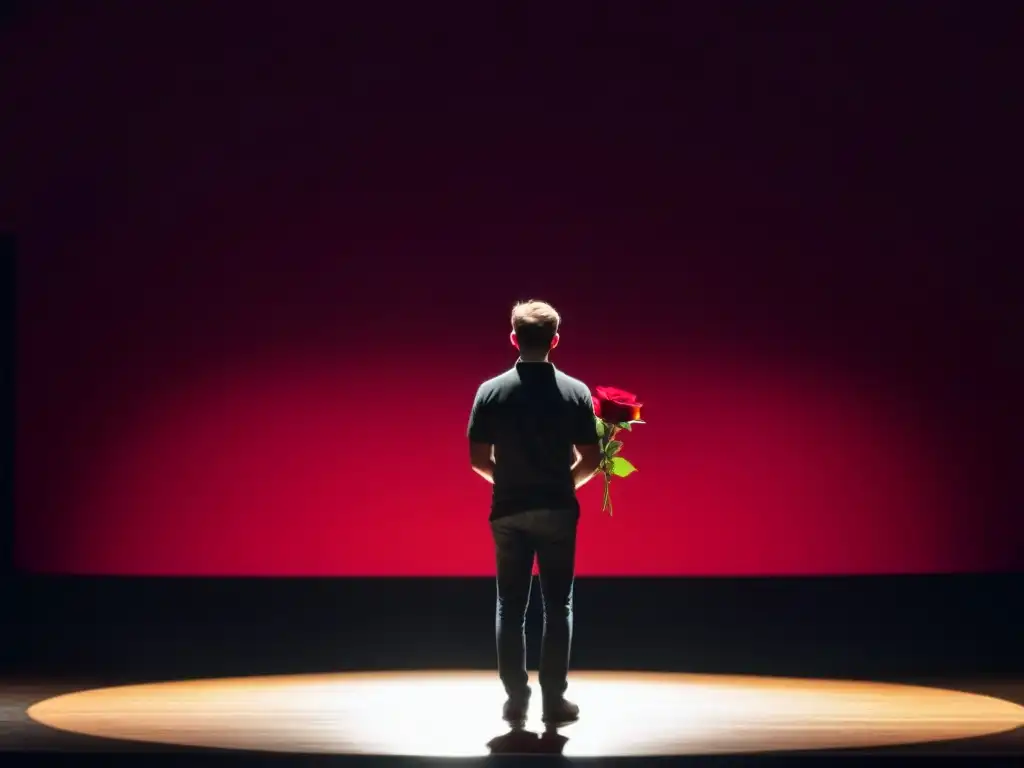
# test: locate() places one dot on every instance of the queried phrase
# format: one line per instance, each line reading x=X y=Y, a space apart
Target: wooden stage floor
x=456 y=714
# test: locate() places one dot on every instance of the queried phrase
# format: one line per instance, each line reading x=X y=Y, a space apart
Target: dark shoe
x=559 y=712
x=516 y=742
x=515 y=710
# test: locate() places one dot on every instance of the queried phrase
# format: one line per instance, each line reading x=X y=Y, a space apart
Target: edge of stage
x=886 y=627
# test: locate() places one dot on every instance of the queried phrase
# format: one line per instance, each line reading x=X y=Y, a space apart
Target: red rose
x=616 y=405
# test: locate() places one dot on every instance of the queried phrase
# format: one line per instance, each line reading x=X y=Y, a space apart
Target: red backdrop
x=260 y=283
x=218 y=416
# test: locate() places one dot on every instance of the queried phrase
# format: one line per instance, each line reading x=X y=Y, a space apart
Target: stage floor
x=344 y=671
x=456 y=714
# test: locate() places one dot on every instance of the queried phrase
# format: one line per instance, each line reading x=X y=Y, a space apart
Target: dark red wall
x=267 y=256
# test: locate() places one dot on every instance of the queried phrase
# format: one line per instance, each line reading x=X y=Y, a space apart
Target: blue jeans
x=550 y=536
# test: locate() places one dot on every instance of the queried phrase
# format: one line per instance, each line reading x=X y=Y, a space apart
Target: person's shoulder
x=573 y=385
x=495 y=384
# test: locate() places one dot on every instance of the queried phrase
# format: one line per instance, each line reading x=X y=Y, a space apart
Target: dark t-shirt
x=533 y=415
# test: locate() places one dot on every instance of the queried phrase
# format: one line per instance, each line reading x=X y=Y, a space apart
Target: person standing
x=533 y=435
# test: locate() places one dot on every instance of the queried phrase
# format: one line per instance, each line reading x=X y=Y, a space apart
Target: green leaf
x=622 y=468
x=625 y=425
x=612 y=448
x=600 y=427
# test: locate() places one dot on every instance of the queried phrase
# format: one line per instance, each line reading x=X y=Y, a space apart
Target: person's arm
x=481 y=438
x=587 y=462
x=481 y=460
x=586 y=441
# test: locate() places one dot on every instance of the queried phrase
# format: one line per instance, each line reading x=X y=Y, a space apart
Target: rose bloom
x=616 y=405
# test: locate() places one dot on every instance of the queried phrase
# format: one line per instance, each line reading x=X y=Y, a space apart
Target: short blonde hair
x=535 y=324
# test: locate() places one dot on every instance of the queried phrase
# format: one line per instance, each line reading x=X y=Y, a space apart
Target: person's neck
x=524 y=359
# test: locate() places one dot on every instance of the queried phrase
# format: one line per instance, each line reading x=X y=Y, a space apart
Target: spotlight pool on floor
x=458 y=713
